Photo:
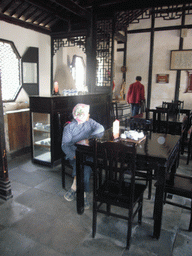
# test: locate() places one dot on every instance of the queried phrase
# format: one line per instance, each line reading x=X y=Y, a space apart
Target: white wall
x=24 y=38
x=138 y=50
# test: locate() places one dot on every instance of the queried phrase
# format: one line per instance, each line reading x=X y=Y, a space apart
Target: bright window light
x=78 y=73
x=10 y=67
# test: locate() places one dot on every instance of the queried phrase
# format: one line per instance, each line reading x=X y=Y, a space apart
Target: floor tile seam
x=33 y=170
x=20 y=194
x=48 y=192
x=51 y=178
x=102 y=236
x=174 y=242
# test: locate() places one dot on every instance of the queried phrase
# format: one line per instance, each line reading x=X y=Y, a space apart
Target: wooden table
x=161 y=151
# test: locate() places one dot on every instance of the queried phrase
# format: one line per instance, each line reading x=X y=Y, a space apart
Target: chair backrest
x=140 y=124
x=173 y=106
x=187 y=124
x=160 y=119
x=180 y=103
x=113 y=111
x=116 y=159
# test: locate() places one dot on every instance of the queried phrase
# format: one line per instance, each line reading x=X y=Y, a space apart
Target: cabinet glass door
x=41 y=136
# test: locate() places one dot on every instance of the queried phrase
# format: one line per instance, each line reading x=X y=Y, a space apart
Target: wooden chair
x=186 y=138
x=114 y=111
x=115 y=183
x=160 y=119
x=179 y=185
x=186 y=143
x=65 y=163
x=145 y=172
x=173 y=106
x=139 y=124
x=180 y=104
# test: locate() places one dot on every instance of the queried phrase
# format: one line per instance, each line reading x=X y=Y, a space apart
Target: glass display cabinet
x=41 y=136
x=46 y=130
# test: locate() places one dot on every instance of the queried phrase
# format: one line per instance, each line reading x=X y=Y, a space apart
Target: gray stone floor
x=38 y=221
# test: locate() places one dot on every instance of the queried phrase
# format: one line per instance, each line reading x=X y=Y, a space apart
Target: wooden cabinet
x=17 y=130
x=48 y=116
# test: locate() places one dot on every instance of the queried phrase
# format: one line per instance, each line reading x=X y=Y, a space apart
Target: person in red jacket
x=135 y=95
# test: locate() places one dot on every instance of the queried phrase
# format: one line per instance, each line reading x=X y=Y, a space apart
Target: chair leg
x=63 y=171
x=140 y=210
x=189 y=154
x=150 y=187
x=190 y=225
x=94 y=224
x=108 y=208
x=129 y=231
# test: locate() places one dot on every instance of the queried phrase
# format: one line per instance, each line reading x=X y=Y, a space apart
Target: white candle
x=116 y=129
x=56 y=87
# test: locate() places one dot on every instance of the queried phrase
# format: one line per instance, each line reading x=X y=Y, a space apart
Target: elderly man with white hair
x=81 y=127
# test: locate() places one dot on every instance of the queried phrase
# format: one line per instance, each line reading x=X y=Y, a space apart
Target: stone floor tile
x=182 y=246
x=49 y=231
x=12 y=211
x=28 y=178
x=15 y=244
x=100 y=245
x=18 y=188
x=142 y=240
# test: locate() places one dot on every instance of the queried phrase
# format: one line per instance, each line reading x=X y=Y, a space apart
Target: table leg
x=158 y=207
x=80 y=182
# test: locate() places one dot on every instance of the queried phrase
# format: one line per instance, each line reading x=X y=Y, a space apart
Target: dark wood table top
x=156 y=146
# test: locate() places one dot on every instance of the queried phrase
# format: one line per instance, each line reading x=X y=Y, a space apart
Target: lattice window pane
x=104 y=53
x=10 y=67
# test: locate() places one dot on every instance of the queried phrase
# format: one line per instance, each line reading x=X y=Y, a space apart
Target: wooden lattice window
x=10 y=70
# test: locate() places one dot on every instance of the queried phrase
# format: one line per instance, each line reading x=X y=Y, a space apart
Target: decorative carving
x=104 y=53
x=70 y=42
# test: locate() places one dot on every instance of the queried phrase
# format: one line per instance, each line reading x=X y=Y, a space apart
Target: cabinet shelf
x=40 y=130
x=44 y=143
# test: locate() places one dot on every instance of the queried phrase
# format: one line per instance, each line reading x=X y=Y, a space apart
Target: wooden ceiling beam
x=16 y=9
x=7 y=6
x=76 y=9
x=28 y=16
x=49 y=9
x=111 y=6
x=24 y=24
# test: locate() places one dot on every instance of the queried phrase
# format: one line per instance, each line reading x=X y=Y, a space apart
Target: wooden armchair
x=160 y=119
x=112 y=188
x=179 y=185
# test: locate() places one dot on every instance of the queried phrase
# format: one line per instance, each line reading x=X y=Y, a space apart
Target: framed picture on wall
x=181 y=60
x=162 y=78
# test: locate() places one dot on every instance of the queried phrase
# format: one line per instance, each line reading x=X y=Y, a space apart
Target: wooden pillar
x=112 y=53
x=178 y=75
x=125 y=55
x=151 y=60
x=5 y=186
x=52 y=55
